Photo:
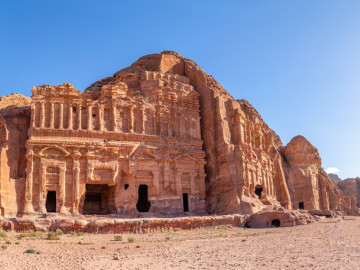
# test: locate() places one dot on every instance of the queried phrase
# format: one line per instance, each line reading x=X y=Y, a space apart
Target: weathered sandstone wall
x=247 y=167
x=159 y=123
x=14 y=125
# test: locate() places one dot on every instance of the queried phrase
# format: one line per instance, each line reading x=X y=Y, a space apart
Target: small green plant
x=59 y=232
x=145 y=230
x=84 y=243
x=80 y=234
x=38 y=252
x=8 y=242
x=118 y=238
x=31 y=233
x=73 y=233
x=3 y=247
x=3 y=234
x=131 y=239
x=30 y=251
x=53 y=236
x=17 y=243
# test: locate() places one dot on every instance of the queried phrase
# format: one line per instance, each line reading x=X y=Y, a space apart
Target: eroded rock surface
x=334 y=177
x=161 y=136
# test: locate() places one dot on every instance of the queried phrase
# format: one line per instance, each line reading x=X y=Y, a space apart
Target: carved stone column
x=131 y=116
x=52 y=115
x=115 y=116
x=33 y=113
x=76 y=184
x=156 y=181
x=101 y=117
x=178 y=184
x=42 y=189
x=61 y=116
x=153 y=123
x=182 y=127
x=28 y=206
x=42 y=115
x=70 y=124
x=89 y=117
x=62 y=188
x=202 y=187
x=142 y=122
x=192 y=184
x=78 y=113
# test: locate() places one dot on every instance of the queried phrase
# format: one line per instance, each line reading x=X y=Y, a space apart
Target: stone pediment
x=185 y=158
x=143 y=155
x=53 y=150
x=102 y=153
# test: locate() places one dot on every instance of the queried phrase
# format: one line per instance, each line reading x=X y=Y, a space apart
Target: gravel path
x=327 y=244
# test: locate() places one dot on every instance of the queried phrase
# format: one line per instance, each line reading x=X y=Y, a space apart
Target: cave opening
x=258 y=190
x=301 y=205
x=51 y=202
x=143 y=204
x=275 y=223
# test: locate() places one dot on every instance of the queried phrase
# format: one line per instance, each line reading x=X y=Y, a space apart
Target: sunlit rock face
x=159 y=137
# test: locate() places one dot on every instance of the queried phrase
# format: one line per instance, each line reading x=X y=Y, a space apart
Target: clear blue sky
x=297 y=62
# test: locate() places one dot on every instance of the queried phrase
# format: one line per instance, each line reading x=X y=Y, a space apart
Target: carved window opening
x=51 y=202
x=301 y=205
x=275 y=223
x=74 y=109
x=96 y=199
x=143 y=204
x=185 y=202
x=258 y=190
x=94 y=115
x=126 y=186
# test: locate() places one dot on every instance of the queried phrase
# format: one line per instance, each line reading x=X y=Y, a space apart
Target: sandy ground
x=328 y=244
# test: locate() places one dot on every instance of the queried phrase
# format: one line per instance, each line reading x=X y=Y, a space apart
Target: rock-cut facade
x=159 y=137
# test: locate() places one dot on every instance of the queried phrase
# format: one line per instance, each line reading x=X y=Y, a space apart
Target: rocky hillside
x=334 y=177
x=248 y=168
x=14 y=99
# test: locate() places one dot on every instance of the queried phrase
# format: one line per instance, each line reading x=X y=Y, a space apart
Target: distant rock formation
x=351 y=187
x=334 y=177
x=158 y=123
x=14 y=100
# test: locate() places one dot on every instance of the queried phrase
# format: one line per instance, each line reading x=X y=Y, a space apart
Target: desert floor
x=332 y=243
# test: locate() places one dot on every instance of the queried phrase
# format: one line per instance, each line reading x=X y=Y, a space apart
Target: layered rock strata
x=160 y=136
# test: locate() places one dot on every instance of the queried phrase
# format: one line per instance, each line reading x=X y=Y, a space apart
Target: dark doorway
x=258 y=191
x=96 y=200
x=301 y=205
x=276 y=223
x=143 y=204
x=186 y=202
x=51 y=202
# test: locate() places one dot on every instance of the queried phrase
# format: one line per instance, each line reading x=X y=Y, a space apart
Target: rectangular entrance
x=96 y=200
x=51 y=202
x=185 y=202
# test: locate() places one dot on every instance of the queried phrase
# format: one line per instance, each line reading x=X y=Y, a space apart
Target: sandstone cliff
x=247 y=166
x=14 y=125
x=351 y=187
x=334 y=177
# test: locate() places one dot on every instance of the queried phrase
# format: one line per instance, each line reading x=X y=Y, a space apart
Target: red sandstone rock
x=288 y=218
x=334 y=177
x=155 y=124
x=309 y=185
x=350 y=187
